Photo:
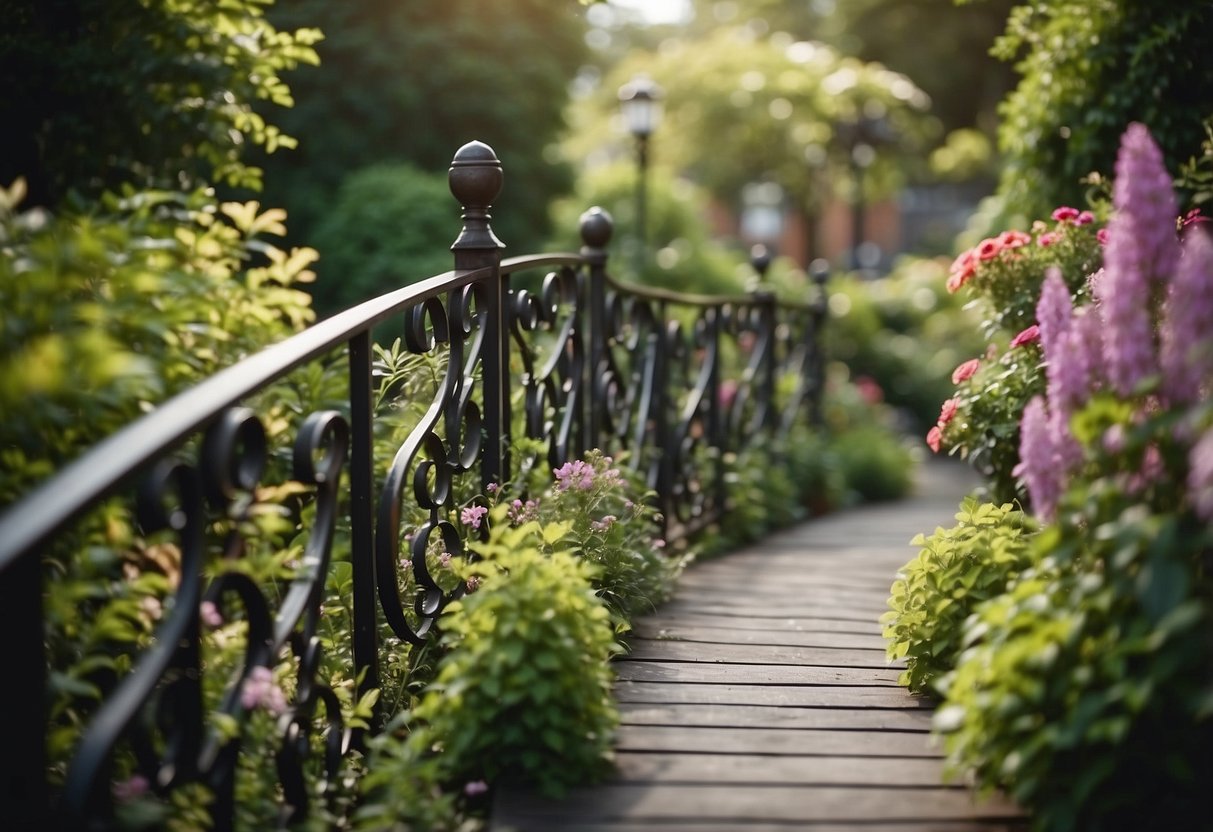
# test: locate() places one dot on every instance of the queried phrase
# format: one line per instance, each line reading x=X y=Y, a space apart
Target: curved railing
x=673 y=383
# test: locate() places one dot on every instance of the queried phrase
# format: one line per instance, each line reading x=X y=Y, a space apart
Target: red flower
x=1084 y=218
x=1102 y=236
x=934 y=437
x=962 y=270
x=965 y=371
x=1014 y=239
x=947 y=412
x=988 y=249
x=1066 y=214
x=1028 y=336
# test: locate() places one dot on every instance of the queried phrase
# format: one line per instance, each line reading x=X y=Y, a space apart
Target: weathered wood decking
x=759 y=698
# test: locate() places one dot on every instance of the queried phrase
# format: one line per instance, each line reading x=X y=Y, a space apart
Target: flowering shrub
x=1086 y=689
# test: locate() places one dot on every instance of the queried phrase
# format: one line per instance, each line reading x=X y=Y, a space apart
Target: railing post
x=475 y=179
x=764 y=299
x=819 y=270
x=596 y=227
x=362 y=516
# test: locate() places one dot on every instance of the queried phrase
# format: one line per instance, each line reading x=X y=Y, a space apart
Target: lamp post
x=640 y=101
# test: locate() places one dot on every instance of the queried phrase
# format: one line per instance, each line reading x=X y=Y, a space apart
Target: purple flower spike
x=1038 y=459
x=1186 y=353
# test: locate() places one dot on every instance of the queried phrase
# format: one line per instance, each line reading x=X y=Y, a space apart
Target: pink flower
x=1014 y=239
x=210 y=615
x=1065 y=214
x=475 y=787
x=1084 y=218
x=947 y=412
x=1047 y=239
x=1029 y=336
x=522 y=512
x=1101 y=236
x=1200 y=476
x=869 y=390
x=472 y=515
x=604 y=524
x=578 y=475
x=444 y=560
x=492 y=488
x=988 y=249
x=260 y=691
x=934 y=438
x=965 y=371
x=127 y=790
x=962 y=271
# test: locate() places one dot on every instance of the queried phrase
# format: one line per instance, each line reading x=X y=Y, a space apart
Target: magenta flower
x=1186 y=353
x=1101 y=236
x=1065 y=214
x=472 y=515
x=1084 y=218
x=965 y=371
x=1029 y=336
x=1047 y=239
x=988 y=249
x=934 y=438
x=521 y=512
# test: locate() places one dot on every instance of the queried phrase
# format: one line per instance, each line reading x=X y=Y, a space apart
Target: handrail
x=602 y=367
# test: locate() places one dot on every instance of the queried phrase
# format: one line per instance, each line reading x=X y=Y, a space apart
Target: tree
x=413 y=81
x=1089 y=68
x=156 y=93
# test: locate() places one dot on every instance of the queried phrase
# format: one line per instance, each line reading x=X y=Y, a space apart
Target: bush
x=956 y=570
x=875 y=463
x=391 y=225
x=525 y=689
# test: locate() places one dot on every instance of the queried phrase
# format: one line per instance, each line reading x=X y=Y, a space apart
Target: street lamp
x=640 y=101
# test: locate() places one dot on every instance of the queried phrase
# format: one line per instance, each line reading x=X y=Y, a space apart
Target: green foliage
x=412 y=82
x=875 y=462
x=160 y=93
x=524 y=690
x=904 y=334
x=685 y=256
x=1089 y=68
x=985 y=412
x=390 y=225
x=955 y=570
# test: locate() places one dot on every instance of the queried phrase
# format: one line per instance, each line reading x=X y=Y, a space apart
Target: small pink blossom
x=947 y=412
x=444 y=560
x=1029 y=336
x=406 y=564
x=965 y=371
x=1048 y=238
x=578 y=475
x=988 y=249
x=210 y=615
x=521 y=512
x=1065 y=214
x=1084 y=218
x=604 y=524
x=1101 y=236
x=658 y=543
x=1014 y=239
x=475 y=787
x=260 y=691
x=934 y=438
x=869 y=390
x=127 y=790
x=492 y=488
x=472 y=515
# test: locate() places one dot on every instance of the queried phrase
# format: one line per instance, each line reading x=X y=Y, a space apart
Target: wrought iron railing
x=672 y=382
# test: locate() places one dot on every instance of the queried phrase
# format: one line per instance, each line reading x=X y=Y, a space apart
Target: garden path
x=759 y=697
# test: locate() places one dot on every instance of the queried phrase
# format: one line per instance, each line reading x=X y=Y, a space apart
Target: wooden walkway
x=759 y=698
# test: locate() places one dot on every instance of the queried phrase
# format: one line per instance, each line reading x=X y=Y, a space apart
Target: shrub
x=525 y=689
x=875 y=463
x=956 y=570
x=390 y=225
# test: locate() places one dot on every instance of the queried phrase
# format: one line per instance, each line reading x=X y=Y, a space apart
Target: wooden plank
x=688 y=651
x=798 y=623
x=773 y=741
x=772 y=611
x=791 y=636
x=713 y=825
x=743 y=804
x=802 y=696
x=753 y=674
x=776 y=716
x=723 y=769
